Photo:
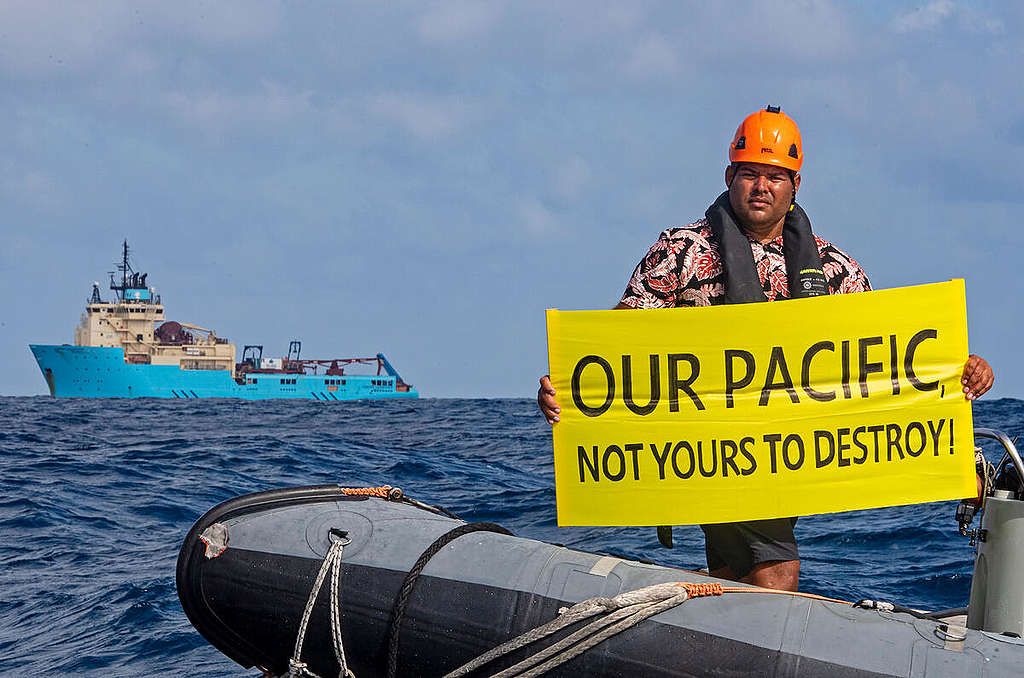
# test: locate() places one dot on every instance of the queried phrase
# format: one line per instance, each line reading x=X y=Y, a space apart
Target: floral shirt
x=684 y=268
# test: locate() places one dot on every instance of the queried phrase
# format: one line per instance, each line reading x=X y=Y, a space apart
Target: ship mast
x=130 y=281
x=124 y=266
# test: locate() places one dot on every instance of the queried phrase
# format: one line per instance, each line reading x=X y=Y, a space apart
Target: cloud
x=426 y=117
x=938 y=13
x=46 y=37
x=535 y=218
x=215 y=21
x=652 y=56
x=35 y=188
x=42 y=36
x=924 y=18
x=769 y=30
x=571 y=177
x=446 y=23
x=217 y=111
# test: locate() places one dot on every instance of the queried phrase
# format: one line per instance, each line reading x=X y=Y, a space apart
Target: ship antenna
x=124 y=267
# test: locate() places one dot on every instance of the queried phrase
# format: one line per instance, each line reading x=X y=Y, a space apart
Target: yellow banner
x=742 y=412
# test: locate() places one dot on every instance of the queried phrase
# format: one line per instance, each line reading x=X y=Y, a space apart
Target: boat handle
x=1011 y=449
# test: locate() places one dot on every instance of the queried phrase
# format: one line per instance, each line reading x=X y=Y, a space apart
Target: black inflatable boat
x=418 y=593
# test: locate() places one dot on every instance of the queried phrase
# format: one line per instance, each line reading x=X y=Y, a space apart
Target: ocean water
x=97 y=496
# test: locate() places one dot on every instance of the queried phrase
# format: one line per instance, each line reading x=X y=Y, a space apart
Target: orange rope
x=698 y=590
x=799 y=594
x=717 y=589
x=381 y=491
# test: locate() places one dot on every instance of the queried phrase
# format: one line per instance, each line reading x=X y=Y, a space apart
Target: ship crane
x=190 y=326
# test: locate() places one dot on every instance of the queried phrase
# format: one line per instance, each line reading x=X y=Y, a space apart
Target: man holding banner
x=754 y=244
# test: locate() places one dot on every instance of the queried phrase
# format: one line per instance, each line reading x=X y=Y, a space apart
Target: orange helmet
x=770 y=137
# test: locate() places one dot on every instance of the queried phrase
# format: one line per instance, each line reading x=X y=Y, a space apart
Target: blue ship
x=126 y=348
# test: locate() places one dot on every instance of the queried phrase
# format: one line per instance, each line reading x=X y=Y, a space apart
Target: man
x=754 y=244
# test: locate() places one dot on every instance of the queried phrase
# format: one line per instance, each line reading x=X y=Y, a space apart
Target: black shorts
x=741 y=546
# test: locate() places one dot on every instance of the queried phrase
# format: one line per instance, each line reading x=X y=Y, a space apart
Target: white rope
x=332 y=562
x=339 y=649
x=623 y=611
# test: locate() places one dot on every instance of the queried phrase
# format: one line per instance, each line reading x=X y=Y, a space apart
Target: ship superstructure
x=129 y=320
x=126 y=347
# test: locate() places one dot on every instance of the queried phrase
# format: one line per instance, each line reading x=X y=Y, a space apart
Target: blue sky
x=424 y=179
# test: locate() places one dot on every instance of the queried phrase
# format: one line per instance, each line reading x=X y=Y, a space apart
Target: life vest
x=742 y=285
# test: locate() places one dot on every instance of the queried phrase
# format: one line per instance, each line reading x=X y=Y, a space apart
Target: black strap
x=742 y=285
x=402 y=601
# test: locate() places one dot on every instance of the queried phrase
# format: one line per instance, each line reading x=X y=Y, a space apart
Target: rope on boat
x=390 y=493
x=404 y=593
x=382 y=491
x=883 y=606
x=620 y=613
x=332 y=563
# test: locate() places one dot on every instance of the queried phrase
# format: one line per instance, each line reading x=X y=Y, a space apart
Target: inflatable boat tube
x=247 y=568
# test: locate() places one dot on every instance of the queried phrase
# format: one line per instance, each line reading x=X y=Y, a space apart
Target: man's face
x=760 y=195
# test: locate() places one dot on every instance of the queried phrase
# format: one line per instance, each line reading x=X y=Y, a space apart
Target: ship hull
x=94 y=372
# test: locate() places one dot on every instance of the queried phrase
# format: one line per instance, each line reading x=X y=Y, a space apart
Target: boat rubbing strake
x=126 y=348
x=410 y=591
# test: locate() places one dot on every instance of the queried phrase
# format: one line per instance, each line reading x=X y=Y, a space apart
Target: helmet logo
x=793 y=153
x=741 y=143
x=767 y=150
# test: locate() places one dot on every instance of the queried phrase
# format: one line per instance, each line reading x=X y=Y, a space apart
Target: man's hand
x=977 y=377
x=546 y=400
x=546 y=393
